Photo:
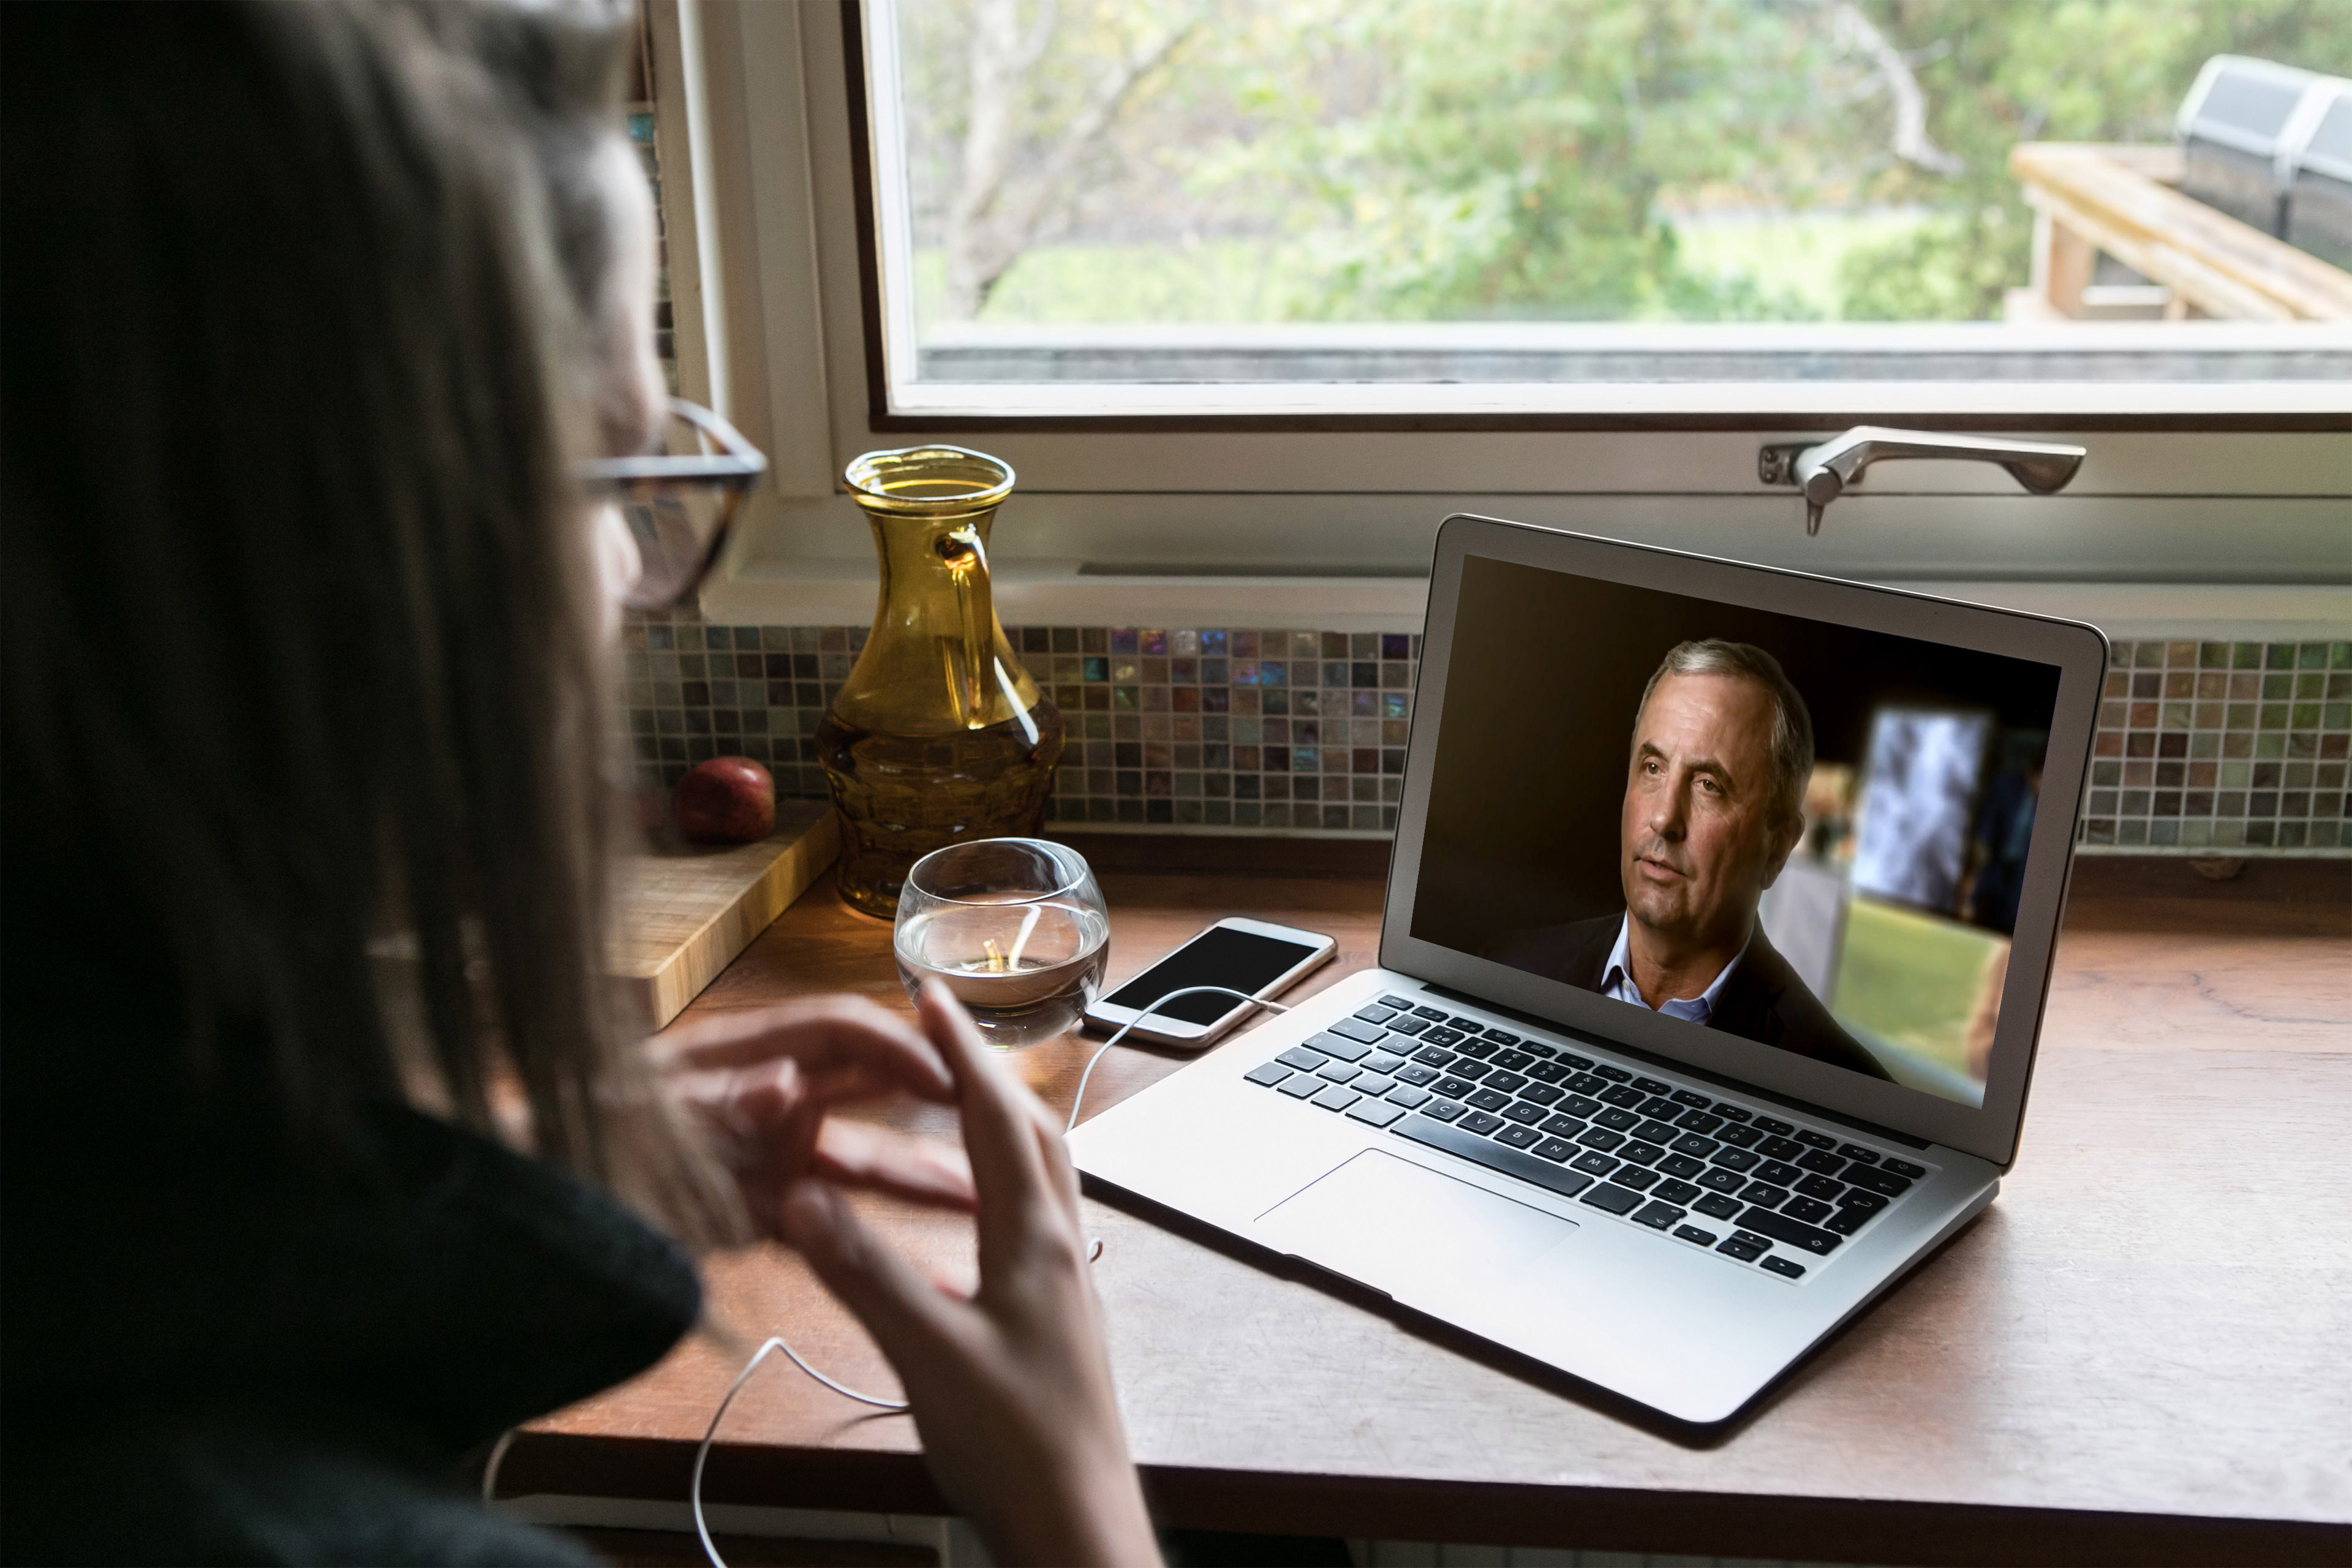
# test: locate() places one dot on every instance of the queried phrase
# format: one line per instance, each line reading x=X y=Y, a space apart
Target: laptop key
x=1779 y=1148
x=1765 y=1193
x=1878 y=1180
x=1435 y=1056
x=1513 y=1061
x=1620 y=1121
x=1586 y=1083
x=1693 y=1145
x=1468 y=1026
x=1845 y=1222
x=1443 y=1110
x=1904 y=1168
x=1823 y=1161
x=1407 y=1026
x=1339 y=1072
x=1621 y=1096
x=1582 y=1064
x=1372 y=1083
x=1615 y=1199
x=1698 y=1121
x=1305 y=1086
x=1690 y=1098
x=1594 y=1163
x=1783 y=1265
x=1357 y=1029
x=1614 y=1075
x=1564 y=1127
x=1658 y=1216
x=1409 y=1097
x=1693 y=1233
x=1735 y=1158
x=1633 y=1176
x=1482 y=1049
x=1503 y=1036
x=1816 y=1140
x=1376 y=1015
x=1416 y=1074
x=1439 y=1035
x=1537 y=1047
x=1778 y=1173
x=1868 y=1203
x=1548 y=1072
x=1302 y=1059
x=1746 y=1251
x=1517 y=1137
x=1490 y=1100
x=1339 y=1046
x=1525 y=1114
x=1716 y=1206
x=1579 y=1105
x=1660 y=1107
x=1811 y=1211
x=1399 y=1003
x=1731 y=1112
x=1382 y=1061
x=1541 y=1093
x=1334 y=1098
x=1675 y=1191
x=1723 y=1181
x=1819 y=1187
x=1738 y=1136
x=1774 y=1124
x=1453 y=1088
x=1642 y=1153
x=1654 y=1131
x=1652 y=1085
x=1376 y=1112
x=1494 y=1156
x=1479 y=1121
x=1796 y=1233
x=1601 y=1138
x=1267 y=1075
x=1681 y=1165
x=1469 y=1070
x=1508 y=1082
x=1555 y=1149
x=1433 y=1014
x=1856 y=1151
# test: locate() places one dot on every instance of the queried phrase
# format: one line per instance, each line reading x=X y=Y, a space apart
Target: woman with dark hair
x=314 y=315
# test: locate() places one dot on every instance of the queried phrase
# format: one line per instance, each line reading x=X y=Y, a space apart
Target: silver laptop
x=1718 y=929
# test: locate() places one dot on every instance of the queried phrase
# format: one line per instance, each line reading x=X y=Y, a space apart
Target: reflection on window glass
x=1202 y=164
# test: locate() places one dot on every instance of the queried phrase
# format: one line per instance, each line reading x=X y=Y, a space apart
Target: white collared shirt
x=1617 y=981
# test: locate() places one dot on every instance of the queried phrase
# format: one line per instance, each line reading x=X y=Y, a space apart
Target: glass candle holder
x=1015 y=927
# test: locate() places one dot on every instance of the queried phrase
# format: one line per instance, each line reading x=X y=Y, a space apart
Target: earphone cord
x=778 y=1342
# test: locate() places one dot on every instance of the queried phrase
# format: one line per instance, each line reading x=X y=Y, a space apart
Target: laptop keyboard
x=1755 y=1187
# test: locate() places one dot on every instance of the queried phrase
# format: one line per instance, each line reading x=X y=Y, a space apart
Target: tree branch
x=1910 y=141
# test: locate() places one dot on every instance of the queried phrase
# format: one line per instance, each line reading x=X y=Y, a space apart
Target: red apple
x=726 y=800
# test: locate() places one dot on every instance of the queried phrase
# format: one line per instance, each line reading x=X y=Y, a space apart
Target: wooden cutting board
x=685 y=914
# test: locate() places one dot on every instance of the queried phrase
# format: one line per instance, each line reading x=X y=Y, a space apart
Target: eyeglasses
x=679 y=502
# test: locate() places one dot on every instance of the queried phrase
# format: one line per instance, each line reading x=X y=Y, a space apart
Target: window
x=1489 y=208
x=811 y=155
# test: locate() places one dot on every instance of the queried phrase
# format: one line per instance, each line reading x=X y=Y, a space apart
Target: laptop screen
x=1801 y=833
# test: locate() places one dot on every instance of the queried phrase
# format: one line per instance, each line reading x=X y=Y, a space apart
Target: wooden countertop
x=2139 y=1353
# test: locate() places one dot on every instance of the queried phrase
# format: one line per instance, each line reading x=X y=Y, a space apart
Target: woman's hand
x=763 y=1082
x=1012 y=1389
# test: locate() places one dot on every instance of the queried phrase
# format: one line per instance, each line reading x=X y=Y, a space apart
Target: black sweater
x=220 y=1346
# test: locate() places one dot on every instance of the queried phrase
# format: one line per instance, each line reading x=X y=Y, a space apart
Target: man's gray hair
x=1792 y=722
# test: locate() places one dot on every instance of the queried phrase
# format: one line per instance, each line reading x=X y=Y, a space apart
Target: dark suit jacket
x=1762 y=1001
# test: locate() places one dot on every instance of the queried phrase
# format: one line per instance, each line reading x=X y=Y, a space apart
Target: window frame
x=778 y=290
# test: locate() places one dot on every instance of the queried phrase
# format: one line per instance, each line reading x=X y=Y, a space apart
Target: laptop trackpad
x=1406 y=1229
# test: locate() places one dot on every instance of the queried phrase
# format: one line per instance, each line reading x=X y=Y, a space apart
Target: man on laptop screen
x=1722 y=752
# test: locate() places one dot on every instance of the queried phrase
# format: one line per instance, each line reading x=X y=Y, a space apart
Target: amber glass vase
x=939 y=735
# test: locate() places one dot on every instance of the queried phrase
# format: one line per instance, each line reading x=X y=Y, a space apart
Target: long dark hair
x=299 y=624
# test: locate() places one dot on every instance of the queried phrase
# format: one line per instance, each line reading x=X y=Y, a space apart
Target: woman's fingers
x=850 y=1036
x=997 y=1122
x=857 y=1154
x=908 y=1315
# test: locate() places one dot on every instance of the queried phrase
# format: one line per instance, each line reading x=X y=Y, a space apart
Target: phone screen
x=1218 y=956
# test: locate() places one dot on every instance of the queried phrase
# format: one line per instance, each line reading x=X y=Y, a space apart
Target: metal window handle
x=1824 y=471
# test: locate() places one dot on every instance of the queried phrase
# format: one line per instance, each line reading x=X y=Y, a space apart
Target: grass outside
x=1792 y=256
x=1912 y=979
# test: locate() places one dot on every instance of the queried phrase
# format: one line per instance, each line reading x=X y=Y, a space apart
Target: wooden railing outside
x=2090 y=198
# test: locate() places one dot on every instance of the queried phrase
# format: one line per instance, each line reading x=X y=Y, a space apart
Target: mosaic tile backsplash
x=2216 y=747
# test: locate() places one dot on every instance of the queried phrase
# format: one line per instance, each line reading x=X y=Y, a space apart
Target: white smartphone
x=1250 y=956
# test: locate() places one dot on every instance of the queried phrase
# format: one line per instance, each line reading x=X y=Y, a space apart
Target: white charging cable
x=778 y=1342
